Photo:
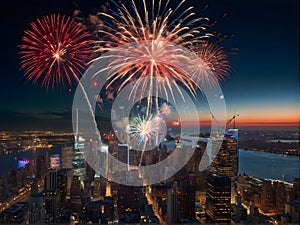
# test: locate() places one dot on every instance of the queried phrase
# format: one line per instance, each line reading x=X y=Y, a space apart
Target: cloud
x=53 y=120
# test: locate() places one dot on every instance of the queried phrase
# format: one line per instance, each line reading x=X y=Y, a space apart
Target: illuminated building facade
x=226 y=161
x=55 y=161
x=129 y=202
x=185 y=201
x=67 y=157
x=51 y=196
x=79 y=169
x=218 y=204
x=76 y=193
x=36 y=206
x=64 y=181
x=78 y=158
x=23 y=162
x=51 y=179
x=51 y=205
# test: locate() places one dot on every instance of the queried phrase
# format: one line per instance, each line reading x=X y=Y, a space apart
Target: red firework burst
x=55 y=49
x=214 y=62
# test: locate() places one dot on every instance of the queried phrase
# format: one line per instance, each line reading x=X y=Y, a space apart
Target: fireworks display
x=155 y=35
x=145 y=132
x=145 y=129
x=215 y=60
x=142 y=129
x=55 y=50
x=165 y=109
x=149 y=35
x=151 y=46
x=155 y=22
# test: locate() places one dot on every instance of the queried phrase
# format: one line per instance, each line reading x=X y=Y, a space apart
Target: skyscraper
x=226 y=161
x=129 y=202
x=78 y=156
x=218 y=205
x=76 y=193
x=67 y=157
x=185 y=201
x=172 y=209
x=36 y=206
x=51 y=179
x=122 y=154
x=64 y=181
x=55 y=161
x=51 y=196
x=42 y=165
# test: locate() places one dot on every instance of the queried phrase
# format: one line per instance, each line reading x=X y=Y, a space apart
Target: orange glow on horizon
x=251 y=116
x=252 y=122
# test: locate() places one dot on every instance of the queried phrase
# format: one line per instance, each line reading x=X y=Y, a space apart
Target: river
x=269 y=165
x=255 y=163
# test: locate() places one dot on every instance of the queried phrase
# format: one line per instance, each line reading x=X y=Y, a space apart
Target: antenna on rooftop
x=233 y=119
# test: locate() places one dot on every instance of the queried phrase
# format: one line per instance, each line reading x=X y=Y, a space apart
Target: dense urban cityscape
x=149 y=112
x=54 y=184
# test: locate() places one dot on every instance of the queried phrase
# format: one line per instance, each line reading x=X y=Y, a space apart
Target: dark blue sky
x=263 y=86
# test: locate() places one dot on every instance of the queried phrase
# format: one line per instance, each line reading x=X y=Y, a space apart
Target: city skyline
x=263 y=87
x=195 y=103
x=220 y=193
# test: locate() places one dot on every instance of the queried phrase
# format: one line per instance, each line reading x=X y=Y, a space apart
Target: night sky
x=263 y=86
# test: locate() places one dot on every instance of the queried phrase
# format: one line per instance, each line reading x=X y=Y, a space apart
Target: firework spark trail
x=165 y=110
x=56 y=49
x=141 y=130
x=215 y=61
x=155 y=29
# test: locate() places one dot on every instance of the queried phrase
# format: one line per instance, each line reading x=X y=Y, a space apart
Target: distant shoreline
x=270 y=151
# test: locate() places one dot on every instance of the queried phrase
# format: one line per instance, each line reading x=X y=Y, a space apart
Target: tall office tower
x=78 y=156
x=51 y=179
x=125 y=155
x=76 y=193
x=51 y=205
x=280 y=196
x=129 y=200
x=92 y=155
x=41 y=165
x=64 y=181
x=96 y=188
x=55 y=161
x=193 y=165
x=267 y=197
x=226 y=161
x=36 y=206
x=185 y=201
x=51 y=196
x=67 y=157
x=218 y=205
x=172 y=209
